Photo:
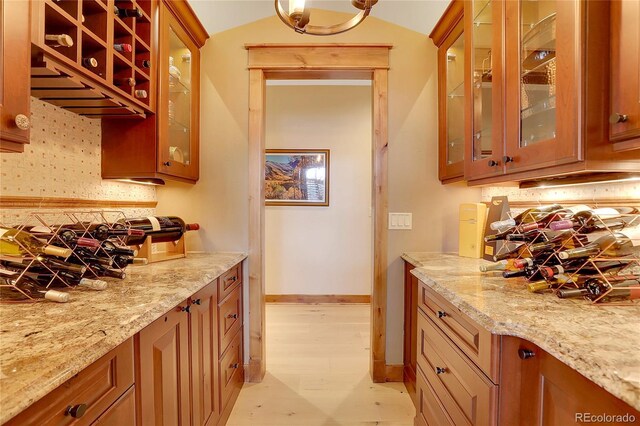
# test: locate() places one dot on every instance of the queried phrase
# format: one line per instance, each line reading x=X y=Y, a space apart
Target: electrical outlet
x=400 y=221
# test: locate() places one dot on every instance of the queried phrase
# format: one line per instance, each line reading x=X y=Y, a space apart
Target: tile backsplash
x=602 y=191
x=63 y=160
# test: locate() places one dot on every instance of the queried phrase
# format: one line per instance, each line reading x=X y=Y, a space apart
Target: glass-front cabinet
x=483 y=22
x=449 y=36
x=178 y=113
x=542 y=83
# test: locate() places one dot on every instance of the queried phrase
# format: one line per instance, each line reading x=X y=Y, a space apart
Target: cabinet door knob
x=236 y=365
x=232 y=316
x=616 y=117
x=22 y=122
x=196 y=302
x=442 y=314
x=76 y=411
x=507 y=159
x=526 y=353
x=493 y=163
x=186 y=309
x=167 y=163
x=440 y=370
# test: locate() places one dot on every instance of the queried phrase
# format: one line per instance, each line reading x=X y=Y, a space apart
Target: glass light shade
x=296 y=7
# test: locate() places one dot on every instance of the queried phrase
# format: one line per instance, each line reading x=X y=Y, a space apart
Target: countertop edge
x=545 y=342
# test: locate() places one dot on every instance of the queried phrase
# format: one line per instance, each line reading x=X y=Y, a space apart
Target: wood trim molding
x=595 y=202
x=450 y=17
x=187 y=17
x=263 y=59
x=19 y=202
x=318 y=298
x=318 y=57
x=394 y=373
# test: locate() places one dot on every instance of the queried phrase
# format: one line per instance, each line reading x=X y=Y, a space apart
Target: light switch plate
x=400 y=221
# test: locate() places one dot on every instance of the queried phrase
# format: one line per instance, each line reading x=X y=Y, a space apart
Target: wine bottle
x=140 y=94
x=587 y=269
x=47 y=264
x=120 y=261
x=59 y=279
x=161 y=228
x=67 y=237
x=503 y=265
x=591 y=220
x=123 y=47
x=610 y=245
x=83 y=256
x=90 y=62
x=539 y=286
x=520 y=251
x=20 y=243
x=103 y=231
x=143 y=63
x=127 y=13
x=529 y=272
x=567 y=239
x=111 y=249
x=102 y=271
x=26 y=288
x=131 y=82
x=528 y=215
x=58 y=40
x=629 y=289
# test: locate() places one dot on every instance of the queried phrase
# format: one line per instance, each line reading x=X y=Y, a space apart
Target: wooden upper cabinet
x=624 y=130
x=164 y=145
x=14 y=76
x=449 y=37
x=484 y=88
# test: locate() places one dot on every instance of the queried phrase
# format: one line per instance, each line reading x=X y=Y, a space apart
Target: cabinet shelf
x=545 y=106
x=177 y=86
x=480 y=13
x=457 y=91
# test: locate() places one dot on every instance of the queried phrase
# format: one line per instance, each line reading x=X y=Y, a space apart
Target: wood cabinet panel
x=163 y=370
x=231 y=373
x=204 y=347
x=429 y=409
x=410 y=331
x=229 y=281
x=229 y=318
x=89 y=393
x=544 y=391
x=15 y=62
x=474 y=340
x=121 y=413
x=625 y=74
x=466 y=394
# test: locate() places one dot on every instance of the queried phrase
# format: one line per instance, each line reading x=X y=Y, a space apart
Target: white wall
x=322 y=250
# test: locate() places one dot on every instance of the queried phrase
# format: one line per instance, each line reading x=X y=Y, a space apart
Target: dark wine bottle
x=90 y=62
x=67 y=237
x=591 y=220
x=26 y=288
x=102 y=231
x=112 y=249
x=529 y=215
x=143 y=63
x=61 y=279
x=102 y=271
x=123 y=47
x=628 y=289
x=529 y=272
x=587 y=269
x=127 y=13
x=567 y=239
x=161 y=228
x=610 y=245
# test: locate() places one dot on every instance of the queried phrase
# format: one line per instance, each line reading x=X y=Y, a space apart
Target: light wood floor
x=318 y=372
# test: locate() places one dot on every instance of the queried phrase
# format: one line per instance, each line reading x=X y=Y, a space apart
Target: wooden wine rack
x=58 y=75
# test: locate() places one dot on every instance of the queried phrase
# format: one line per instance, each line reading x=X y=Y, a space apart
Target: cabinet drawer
x=468 y=397
x=472 y=339
x=97 y=386
x=229 y=319
x=231 y=371
x=122 y=412
x=229 y=281
x=429 y=409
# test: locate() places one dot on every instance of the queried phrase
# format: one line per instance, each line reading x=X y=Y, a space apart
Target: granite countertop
x=601 y=342
x=44 y=344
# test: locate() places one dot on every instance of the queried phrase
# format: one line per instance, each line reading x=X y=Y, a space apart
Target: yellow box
x=471 y=230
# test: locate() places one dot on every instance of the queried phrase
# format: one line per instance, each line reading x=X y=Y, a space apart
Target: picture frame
x=297 y=177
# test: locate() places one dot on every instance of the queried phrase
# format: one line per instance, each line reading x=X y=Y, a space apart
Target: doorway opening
x=322 y=62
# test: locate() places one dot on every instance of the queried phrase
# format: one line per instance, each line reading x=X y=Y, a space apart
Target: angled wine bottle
x=528 y=215
x=12 y=289
x=609 y=245
x=14 y=242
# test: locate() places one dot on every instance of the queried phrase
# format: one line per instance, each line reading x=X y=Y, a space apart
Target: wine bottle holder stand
x=80 y=220
x=158 y=252
x=629 y=272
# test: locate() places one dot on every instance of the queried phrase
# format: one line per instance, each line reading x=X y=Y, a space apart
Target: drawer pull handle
x=493 y=163
x=442 y=314
x=440 y=370
x=507 y=159
x=616 y=117
x=236 y=365
x=76 y=411
x=167 y=164
x=186 y=309
x=23 y=122
x=232 y=279
x=526 y=353
x=196 y=302
x=234 y=316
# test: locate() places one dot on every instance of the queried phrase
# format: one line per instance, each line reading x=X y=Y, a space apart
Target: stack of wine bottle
x=575 y=251
x=37 y=262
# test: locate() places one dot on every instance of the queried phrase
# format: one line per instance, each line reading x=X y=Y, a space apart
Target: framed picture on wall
x=296 y=177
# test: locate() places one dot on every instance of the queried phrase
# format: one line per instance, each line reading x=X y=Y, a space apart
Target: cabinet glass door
x=455 y=101
x=180 y=100
x=537 y=72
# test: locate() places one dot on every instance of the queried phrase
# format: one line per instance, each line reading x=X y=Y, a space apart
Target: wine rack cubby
x=57 y=222
x=86 y=77
x=619 y=285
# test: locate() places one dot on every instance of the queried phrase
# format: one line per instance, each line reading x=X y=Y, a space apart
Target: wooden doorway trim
x=317 y=61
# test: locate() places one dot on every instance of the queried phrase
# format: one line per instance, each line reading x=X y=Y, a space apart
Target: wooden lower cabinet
x=163 y=370
x=410 y=330
x=122 y=412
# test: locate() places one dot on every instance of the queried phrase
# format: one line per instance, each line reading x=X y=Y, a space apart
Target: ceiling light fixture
x=298 y=17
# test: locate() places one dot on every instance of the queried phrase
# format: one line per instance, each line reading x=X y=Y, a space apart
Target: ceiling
x=221 y=15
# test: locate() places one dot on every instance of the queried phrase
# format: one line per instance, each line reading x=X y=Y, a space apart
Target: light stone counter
x=600 y=342
x=44 y=344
